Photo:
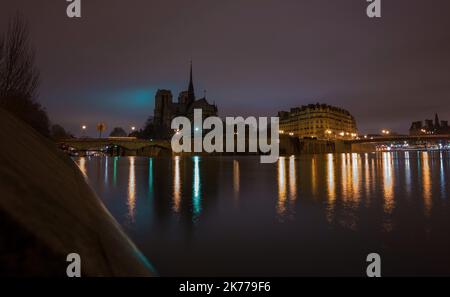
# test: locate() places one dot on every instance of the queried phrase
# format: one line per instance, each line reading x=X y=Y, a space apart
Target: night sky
x=254 y=57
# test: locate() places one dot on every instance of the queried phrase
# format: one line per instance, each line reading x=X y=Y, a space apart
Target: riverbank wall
x=48 y=211
x=296 y=146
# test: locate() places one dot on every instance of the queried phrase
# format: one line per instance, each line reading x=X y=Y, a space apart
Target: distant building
x=319 y=121
x=430 y=127
x=166 y=109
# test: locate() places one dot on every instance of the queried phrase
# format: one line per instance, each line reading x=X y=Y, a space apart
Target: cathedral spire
x=191 y=93
x=436 y=121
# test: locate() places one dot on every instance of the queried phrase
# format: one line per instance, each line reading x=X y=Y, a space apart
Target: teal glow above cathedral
x=127 y=98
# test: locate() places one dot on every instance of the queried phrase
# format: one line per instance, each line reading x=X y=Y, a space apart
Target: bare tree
x=100 y=128
x=2 y=44
x=19 y=76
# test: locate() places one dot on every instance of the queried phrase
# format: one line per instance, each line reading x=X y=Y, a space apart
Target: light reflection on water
x=344 y=176
x=388 y=183
x=367 y=178
x=331 y=187
x=442 y=174
x=196 y=196
x=131 y=189
x=292 y=180
x=348 y=201
x=281 y=207
x=176 y=185
x=115 y=171
x=150 y=177
x=236 y=178
x=426 y=183
x=314 y=176
x=82 y=165
x=407 y=174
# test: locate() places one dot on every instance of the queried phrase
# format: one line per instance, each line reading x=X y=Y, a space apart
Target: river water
x=317 y=215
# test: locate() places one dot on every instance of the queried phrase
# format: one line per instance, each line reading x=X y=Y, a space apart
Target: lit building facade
x=319 y=121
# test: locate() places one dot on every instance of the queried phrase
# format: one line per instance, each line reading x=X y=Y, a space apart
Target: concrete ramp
x=47 y=211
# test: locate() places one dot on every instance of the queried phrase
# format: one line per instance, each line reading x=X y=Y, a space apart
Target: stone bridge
x=400 y=138
x=122 y=146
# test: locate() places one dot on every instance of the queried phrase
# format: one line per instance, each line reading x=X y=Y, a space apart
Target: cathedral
x=438 y=127
x=166 y=109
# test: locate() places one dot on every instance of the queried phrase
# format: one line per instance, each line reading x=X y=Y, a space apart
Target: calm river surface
x=317 y=215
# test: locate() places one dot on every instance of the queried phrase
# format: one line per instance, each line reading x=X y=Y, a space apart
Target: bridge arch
x=120 y=147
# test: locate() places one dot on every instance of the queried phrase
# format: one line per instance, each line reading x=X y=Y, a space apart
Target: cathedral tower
x=191 y=92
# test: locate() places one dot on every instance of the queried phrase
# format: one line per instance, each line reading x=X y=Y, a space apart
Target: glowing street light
x=83 y=130
x=133 y=129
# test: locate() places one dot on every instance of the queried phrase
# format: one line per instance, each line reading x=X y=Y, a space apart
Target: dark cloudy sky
x=254 y=57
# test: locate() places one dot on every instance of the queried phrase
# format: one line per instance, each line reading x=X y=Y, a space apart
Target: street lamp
x=133 y=129
x=83 y=129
